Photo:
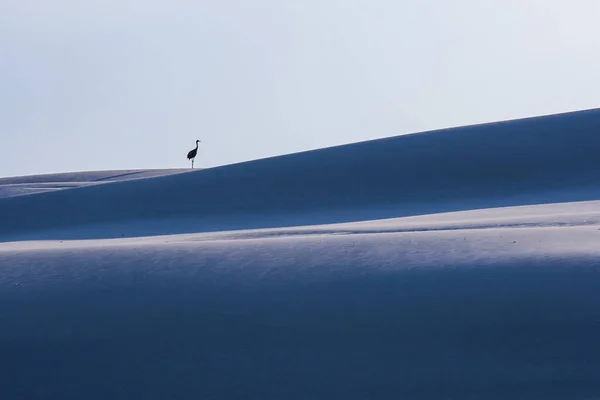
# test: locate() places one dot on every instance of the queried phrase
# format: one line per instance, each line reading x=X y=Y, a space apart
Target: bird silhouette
x=192 y=154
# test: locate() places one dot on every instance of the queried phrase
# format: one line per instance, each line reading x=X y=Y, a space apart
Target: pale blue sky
x=120 y=84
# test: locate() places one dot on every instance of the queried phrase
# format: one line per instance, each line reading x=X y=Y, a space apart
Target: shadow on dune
x=525 y=330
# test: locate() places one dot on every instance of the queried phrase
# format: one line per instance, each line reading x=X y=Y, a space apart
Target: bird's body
x=192 y=153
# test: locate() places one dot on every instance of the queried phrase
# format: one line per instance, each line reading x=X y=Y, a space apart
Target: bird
x=192 y=153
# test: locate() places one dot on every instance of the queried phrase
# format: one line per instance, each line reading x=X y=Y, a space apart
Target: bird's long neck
x=196 y=145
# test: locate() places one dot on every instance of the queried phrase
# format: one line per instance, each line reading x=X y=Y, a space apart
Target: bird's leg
x=192 y=164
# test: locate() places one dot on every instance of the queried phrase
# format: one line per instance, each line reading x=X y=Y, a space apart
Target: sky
x=131 y=84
